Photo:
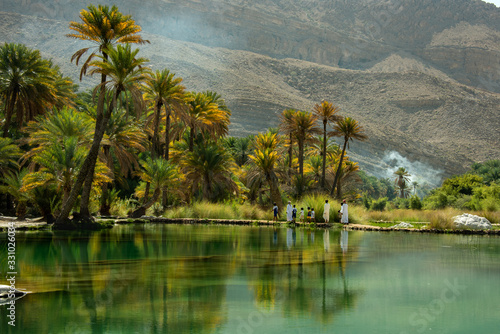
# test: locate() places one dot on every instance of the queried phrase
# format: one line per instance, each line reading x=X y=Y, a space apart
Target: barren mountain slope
x=426 y=118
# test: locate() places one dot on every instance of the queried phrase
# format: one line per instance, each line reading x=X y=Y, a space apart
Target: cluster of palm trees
x=143 y=125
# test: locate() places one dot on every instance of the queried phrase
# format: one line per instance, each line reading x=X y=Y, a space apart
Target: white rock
x=473 y=222
x=403 y=225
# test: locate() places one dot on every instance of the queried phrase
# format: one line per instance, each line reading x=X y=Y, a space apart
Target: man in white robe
x=344 y=213
x=326 y=212
x=289 y=211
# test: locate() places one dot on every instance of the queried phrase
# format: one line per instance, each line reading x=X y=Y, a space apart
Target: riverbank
x=36 y=224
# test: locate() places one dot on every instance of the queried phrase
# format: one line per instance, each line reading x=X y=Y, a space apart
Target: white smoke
x=419 y=171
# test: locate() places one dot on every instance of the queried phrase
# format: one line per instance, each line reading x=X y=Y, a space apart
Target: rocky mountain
x=422 y=77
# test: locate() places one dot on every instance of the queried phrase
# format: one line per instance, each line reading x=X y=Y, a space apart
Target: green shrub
x=379 y=204
x=415 y=203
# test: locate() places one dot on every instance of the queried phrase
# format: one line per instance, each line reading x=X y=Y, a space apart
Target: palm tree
x=159 y=173
x=211 y=167
x=123 y=140
x=350 y=129
x=13 y=183
x=304 y=128
x=402 y=181
x=126 y=74
x=163 y=89
x=239 y=148
x=348 y=175
x=104 y=27
x=326 y=112
x=26 y=83
x=203 y=115
x=58 y=164
x=9 y=153
x=264 y=160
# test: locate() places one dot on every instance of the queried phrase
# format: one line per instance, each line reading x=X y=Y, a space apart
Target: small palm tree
x=326 y=113
x=402 y=181
x=350 y=130
x=13 y=183
x=264 y=159
x=159 y=173
x=9 y=153
x=210 y=166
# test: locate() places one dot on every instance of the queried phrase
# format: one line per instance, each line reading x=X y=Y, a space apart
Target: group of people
x=291 y=213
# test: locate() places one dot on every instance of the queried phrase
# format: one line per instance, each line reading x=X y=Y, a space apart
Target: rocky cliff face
x=417 y=79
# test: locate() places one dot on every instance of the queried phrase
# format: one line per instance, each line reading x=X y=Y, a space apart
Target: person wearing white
x=326 y=212
x=344 y=212
x=289 y=210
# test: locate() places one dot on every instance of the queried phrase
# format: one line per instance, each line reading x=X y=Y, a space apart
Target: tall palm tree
x=264 y=160
x=163 y=90
x=304 y=128
x=209 y=166
x=326 y=113
x=104 y=27
x=350 y=129
x=348 y=175
x=125 y=73
x=402 y=181
x=26 y=83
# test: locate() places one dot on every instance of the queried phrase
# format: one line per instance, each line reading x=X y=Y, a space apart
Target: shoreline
x=37 y=225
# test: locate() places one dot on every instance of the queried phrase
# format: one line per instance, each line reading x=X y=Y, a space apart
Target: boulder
x=468 y=221
x=403 y=225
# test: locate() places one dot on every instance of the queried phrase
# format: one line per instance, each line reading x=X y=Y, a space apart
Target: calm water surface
x=243 y=280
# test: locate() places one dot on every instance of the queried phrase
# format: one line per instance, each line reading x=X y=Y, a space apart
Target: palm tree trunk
x=9 y=110
x=89 y=163
x=191 y=140
x=156 y=151
x=323 y=172
x=275 y=191
x=141 y=211
x=167 y=133
x=290 y=157
x=337 y=174
x=301 y=158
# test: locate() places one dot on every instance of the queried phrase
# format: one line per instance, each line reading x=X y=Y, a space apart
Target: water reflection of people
x=275 y=237
x=289 y=238
x=326 y=240
x=344 y=239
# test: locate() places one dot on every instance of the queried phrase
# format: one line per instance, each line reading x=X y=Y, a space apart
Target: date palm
x=159 y=173
x=210 y=167
x=103 y=26
x=9 y=153
x=26 y=83
x=349 y=129
x=402 y=181
x=125 y=73
x=12 y=185
x=264 y=160
x=204 y=116
x=303 y=125
x=326 y=113
x=162 y=89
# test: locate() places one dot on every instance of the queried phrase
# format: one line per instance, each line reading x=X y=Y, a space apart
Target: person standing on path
x=289 y=209
x=275 y=212
x=344 y=213
x=326 y=212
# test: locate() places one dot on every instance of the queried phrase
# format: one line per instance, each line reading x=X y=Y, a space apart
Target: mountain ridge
x=406 y=104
